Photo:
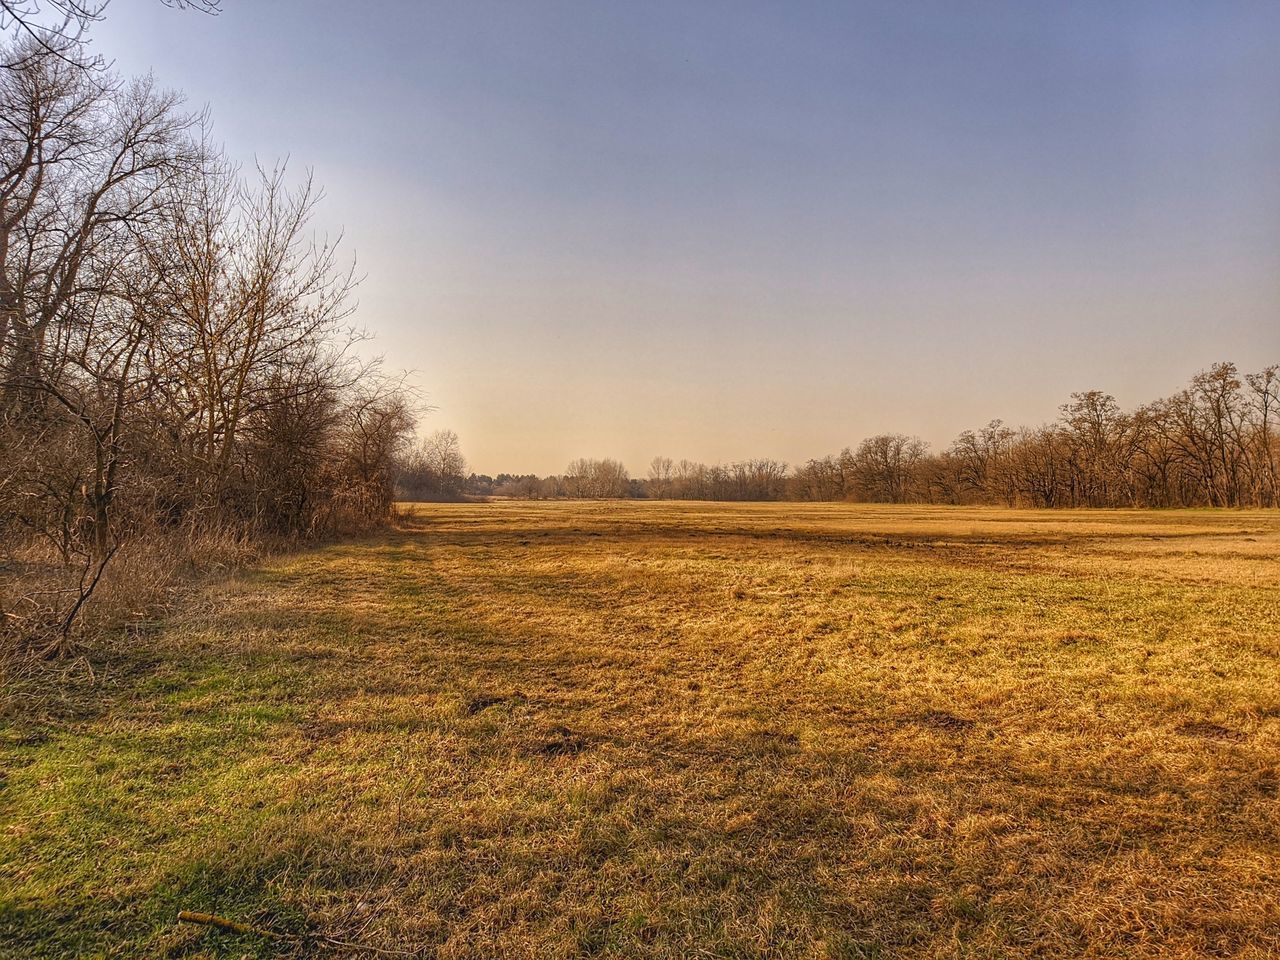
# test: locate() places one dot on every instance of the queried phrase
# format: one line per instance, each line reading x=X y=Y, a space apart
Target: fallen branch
x=222 y=923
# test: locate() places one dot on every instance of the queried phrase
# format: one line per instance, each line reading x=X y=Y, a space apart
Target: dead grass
x=566 y=729
x=153 y=570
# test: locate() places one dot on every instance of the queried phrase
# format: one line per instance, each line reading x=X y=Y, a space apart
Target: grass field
x=692 y=730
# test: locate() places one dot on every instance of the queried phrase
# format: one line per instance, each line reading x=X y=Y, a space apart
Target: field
x=692 y=730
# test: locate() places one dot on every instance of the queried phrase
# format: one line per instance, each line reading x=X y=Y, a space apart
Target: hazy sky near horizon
x=720 y=230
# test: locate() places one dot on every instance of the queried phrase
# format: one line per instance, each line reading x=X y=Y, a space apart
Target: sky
x=719 y=230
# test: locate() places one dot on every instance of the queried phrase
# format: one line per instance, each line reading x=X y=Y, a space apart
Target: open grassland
x=655 y=730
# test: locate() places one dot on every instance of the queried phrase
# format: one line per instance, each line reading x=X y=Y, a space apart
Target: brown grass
x=661 y=730
x=151 y=571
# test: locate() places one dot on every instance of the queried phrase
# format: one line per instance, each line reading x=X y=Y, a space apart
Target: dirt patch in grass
x=1211 y=731
x=560 y=742
x=484 y=701
x=943 y=720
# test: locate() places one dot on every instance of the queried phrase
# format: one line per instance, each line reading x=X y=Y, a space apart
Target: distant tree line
x=1215 y=443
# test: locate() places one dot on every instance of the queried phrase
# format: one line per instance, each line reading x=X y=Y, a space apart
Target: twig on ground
x=233 y=926
x=222 y=923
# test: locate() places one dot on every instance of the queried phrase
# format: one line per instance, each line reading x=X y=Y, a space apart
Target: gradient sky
x=722 y=230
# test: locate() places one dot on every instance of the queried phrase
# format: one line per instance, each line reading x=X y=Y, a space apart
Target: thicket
x=177 y=378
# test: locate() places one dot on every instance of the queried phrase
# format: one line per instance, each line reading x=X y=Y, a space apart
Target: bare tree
x=60 y=29
x=596 y=479
x=1264 y=401
x=661 y=473
x=885 y=467
x=435 y=469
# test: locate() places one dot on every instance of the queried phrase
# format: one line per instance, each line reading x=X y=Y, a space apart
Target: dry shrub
x=145 y=576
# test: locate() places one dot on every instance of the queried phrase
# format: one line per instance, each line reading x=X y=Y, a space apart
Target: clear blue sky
x=719 y=230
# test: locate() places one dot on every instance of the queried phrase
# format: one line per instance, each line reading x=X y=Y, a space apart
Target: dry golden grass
x=678 y=730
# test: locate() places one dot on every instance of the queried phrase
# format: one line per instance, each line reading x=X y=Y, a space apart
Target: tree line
x=176 y=361
x=1214 y=443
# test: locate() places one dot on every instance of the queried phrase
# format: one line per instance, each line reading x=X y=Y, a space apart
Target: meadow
x=633 y=729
